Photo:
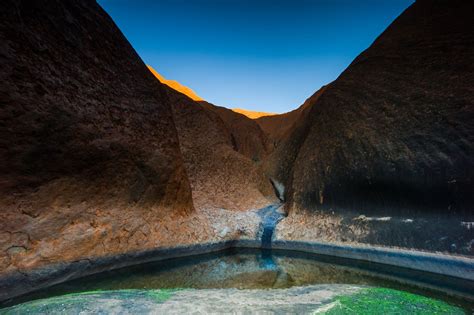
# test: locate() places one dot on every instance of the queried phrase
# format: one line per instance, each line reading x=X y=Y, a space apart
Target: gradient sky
x=263 y=55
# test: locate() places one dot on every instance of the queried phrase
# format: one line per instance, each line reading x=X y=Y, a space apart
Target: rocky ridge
x=395 y=130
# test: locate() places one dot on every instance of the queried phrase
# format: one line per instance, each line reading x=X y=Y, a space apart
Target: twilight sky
x=262 y=55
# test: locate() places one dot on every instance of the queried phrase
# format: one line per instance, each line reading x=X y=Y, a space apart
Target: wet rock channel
x=270 y=216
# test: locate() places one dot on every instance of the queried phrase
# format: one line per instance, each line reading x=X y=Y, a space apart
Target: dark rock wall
x=89 y=154
x=247 y=136
x=221 y=150
x=397 y=127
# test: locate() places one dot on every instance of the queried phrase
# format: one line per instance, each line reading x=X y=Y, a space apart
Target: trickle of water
x=270 y=218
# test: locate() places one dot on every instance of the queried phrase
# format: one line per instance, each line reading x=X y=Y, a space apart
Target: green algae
x=329 y=299
x=161 y=295
x=158 y=295
x=87 y=301
x=389 y=301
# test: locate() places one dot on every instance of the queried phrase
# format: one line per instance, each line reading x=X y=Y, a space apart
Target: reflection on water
x=249 y=269
x=266 y=260
x=243 y=269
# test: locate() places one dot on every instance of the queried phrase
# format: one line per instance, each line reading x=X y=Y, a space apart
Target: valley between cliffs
x=102 y=158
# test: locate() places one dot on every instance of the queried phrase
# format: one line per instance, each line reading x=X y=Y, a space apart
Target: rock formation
x=278 y=127
x=176 y=86
x=397 y=127
x=90 y=158
x=98 y=158
x=221 y=150
x=246 y=135
x=252 y=114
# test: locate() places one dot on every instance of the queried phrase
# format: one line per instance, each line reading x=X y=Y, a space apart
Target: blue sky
x=258 y=55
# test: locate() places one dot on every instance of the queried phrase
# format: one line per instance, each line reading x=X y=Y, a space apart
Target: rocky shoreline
x=455 y=271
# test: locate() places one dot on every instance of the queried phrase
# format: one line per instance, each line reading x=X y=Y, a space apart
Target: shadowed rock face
x=221 y=150
x=397 y=127
x=176 y=85
x=279 y=127
x=247 y=136
x=89 y=155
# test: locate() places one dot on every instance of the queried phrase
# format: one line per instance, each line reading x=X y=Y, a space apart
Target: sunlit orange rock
x=176 y=85
x=192 y=95
x=251 y=114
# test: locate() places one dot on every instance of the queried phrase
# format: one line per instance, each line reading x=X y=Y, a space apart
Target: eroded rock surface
x=417 y=231
x=397 y=127
x=246 y=135
x=99 y=159
x=221 y=150
x=90 y=158
x=91 y=162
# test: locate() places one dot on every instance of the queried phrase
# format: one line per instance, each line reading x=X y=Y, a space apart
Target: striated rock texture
x=221 y=150
x=396 y=129
x=90 y=161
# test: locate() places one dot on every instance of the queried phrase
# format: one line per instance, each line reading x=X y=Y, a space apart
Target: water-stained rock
x=396 y=129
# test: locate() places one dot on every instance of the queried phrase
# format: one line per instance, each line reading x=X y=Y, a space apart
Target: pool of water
x=252 y=281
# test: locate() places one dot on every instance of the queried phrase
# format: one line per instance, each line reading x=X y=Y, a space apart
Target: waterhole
x=248 y=281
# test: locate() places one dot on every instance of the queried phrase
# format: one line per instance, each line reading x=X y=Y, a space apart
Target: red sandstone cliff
x=90 y=157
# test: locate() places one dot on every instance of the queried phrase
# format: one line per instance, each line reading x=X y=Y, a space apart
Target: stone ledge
x=454 y=266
